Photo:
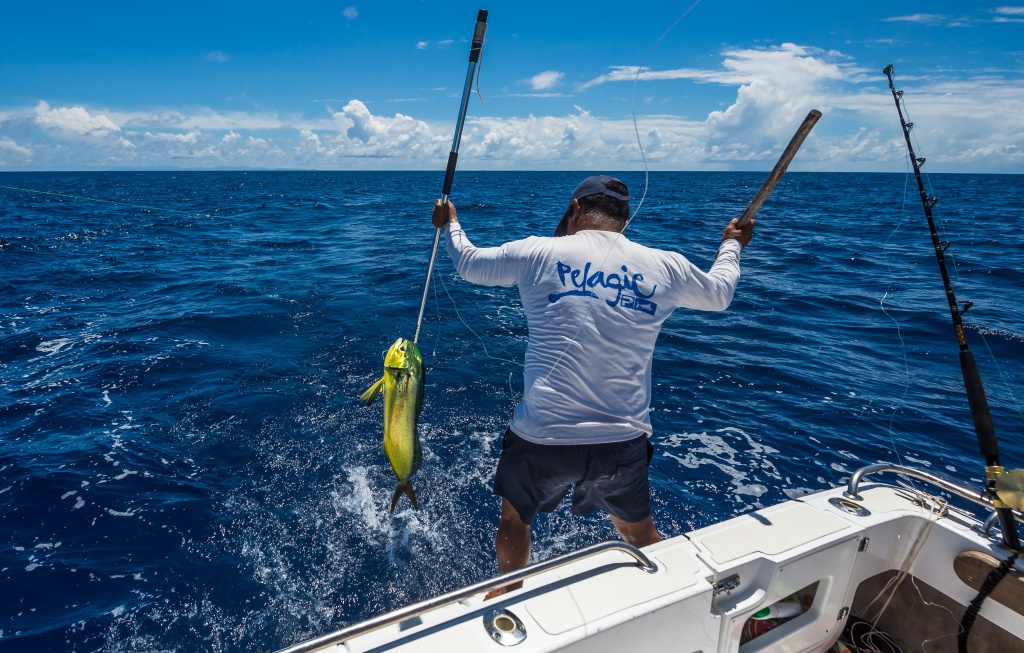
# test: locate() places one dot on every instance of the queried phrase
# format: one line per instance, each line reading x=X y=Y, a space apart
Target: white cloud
x=8 y=145
x=546 y=80
x=928 y=19
x=964 y=124
x=1010 y=11
x=424 y=45
x=350 y=13
x=217 y=56
x=73 y=119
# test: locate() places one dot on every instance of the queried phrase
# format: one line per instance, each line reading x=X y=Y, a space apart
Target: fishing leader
x=595 y=302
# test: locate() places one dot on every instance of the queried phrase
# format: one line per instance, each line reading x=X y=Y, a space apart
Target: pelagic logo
x=626 y=287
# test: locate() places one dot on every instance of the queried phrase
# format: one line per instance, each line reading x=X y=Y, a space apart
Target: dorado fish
x=402 y=384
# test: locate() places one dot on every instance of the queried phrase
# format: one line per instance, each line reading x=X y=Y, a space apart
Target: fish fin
x=394 y=497
x=400 y=489
x=371 y=393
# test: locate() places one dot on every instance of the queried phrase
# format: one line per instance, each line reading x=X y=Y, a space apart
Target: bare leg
x=512 y=544
x=639 y=534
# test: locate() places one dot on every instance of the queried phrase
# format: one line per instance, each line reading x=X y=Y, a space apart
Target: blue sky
x=351 y=85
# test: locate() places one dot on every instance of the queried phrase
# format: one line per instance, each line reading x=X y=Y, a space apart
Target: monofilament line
x=636 y=129
x=93 y=199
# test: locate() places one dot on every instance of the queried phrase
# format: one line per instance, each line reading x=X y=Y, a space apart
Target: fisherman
x=595 y=302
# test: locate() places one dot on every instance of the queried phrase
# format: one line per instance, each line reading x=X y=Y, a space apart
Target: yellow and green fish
x=402 y=384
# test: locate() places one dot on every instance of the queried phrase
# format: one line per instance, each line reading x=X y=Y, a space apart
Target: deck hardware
x=726 y=585
x=842 y=614
x=946 y=485
x=850 y=507
x=863 y=546
x=504 y=627
x=986 y=528
x=640 y=559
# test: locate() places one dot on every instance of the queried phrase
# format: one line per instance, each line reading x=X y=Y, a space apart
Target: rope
x=974 y=608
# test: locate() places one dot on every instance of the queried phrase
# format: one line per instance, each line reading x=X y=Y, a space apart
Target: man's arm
x=713 y=290
x=488 y=266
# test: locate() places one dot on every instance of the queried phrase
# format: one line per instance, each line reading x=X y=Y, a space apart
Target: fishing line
x=570 y=341
x=636 y=129
x=961 y=286
x=646 y=178
x=93 y=199
x=899 y=334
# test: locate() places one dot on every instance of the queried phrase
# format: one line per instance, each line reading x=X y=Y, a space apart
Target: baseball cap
x=598 y=185
x=595 y=185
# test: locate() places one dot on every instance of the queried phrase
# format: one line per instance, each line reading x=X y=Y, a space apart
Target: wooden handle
x=780 y=167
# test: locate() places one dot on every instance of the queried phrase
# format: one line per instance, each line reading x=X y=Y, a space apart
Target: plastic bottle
x=781 y=610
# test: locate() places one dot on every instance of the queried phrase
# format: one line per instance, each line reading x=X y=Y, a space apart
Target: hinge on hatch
x=725 y=585
x=863 y=545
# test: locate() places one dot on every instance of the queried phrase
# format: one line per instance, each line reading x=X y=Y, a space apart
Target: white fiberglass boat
x=899 y=558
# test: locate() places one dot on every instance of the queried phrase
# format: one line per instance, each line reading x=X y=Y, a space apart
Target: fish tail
x=403 y=488
x=371 y=393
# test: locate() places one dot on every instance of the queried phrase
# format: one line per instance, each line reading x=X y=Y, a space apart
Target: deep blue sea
x=184 y=464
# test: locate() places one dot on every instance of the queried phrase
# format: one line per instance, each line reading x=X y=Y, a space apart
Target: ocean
x=184 y=464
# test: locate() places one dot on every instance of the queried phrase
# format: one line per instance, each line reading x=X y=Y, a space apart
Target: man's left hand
x=743 y=235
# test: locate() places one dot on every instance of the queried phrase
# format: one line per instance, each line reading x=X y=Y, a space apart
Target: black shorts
x=613 y=477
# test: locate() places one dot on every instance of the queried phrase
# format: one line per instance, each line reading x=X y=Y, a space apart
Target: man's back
x=595 y=302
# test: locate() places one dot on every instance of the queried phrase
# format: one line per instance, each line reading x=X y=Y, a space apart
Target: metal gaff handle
x=453 y=156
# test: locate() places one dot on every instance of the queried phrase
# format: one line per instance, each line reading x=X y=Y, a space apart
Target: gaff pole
x=453 y=156
x=780 y=168
x=976 y=399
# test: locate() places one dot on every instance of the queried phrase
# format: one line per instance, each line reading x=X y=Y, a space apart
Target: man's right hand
x=743 y=235
x=445 y=213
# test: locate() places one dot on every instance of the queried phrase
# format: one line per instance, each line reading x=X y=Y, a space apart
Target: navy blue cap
x=598 y=185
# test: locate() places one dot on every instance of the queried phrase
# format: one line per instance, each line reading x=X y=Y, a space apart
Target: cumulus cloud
x=965 y=124
x=350 y=13
x=7 y=145
x=73 y=119
x=546 y=80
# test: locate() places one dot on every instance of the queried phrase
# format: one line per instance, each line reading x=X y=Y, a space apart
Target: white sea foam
x=51 y=347
x=732 y=451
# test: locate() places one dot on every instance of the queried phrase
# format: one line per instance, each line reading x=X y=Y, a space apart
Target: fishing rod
x=453 y=157
x=976 y=399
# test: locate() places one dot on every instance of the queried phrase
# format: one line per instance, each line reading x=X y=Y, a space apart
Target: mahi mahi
x=402 y=384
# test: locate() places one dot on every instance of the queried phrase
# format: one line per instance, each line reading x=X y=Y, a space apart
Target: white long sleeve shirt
x=595 y=302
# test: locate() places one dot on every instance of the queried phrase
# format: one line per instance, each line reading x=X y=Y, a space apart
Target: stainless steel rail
x=416 y=609
x=966 y=492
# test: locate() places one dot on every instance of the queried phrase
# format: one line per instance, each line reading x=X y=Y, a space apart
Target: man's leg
x=512 y=544
x=640 y=533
